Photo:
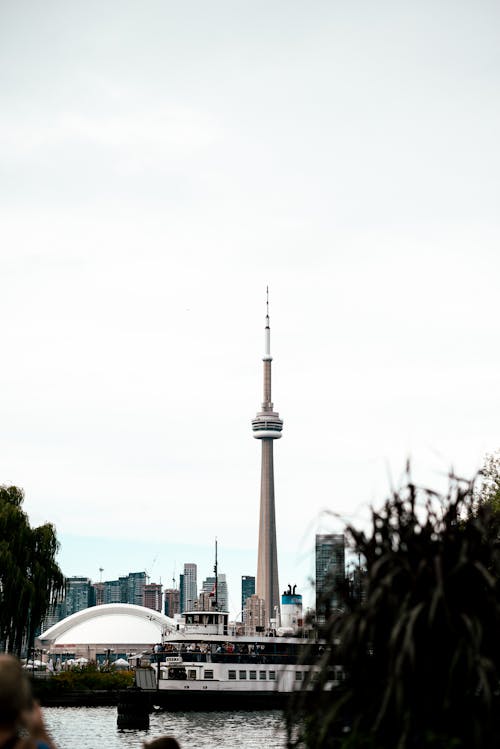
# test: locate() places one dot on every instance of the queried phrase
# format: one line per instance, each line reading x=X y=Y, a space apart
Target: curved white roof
x=113 y=623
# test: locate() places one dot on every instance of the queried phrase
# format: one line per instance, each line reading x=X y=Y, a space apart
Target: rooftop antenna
x=101 y=570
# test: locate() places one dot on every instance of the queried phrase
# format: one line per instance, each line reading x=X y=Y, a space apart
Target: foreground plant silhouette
x=421 y=649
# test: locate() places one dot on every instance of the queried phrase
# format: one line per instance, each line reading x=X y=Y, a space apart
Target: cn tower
x=267 y=427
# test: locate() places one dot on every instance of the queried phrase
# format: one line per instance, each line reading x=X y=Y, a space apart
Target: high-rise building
x=222 y=592
x=330 y=572
x=77 y=594
x=189 y=589
x=247 y=589
x=135 y=588
x=55 y=613
x=267 y=427
x=123 y=580
x=207 y=595
x=153 y=596
x=172 y=602
x=208 y=585
x=113 y=591
x=181 y=593
x=254 y=615
x=98 y=593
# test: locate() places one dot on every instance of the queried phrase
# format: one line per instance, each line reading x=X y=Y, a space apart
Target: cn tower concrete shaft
x=267 y=427
x=267 y=562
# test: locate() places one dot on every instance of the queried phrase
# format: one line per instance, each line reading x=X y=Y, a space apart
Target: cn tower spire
x=267 y=427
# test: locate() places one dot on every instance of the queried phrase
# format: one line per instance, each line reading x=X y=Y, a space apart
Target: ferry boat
x=205 y=664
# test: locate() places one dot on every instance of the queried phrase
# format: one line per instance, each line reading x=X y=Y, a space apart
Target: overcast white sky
x=161 y=163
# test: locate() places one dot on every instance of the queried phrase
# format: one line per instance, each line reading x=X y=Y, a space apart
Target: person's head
x=164 y=742
x=15 y=691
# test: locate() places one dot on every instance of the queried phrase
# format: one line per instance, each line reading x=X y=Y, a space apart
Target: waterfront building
x=267 y=427
x=78 y=594
x=172 y=602
x=153 y=596
x=247 y=589
x=93 y=632
x=188 y=587
x=330 y=572
x=254 y=615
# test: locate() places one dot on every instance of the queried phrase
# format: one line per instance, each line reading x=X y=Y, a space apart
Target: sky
x=161 y=163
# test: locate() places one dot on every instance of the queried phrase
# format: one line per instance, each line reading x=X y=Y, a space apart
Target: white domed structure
x=119 y=627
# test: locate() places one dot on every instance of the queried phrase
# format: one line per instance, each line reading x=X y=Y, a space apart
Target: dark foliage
x=30 y=579
x=421 y=649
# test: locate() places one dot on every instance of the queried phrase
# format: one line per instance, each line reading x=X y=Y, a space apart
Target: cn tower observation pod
x=267 y=425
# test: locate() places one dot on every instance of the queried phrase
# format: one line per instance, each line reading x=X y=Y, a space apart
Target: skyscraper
x=172 y=602
x=189 y=587
x=267 y=427
x=207 y=595
x=113 y=591
x=153 y=596
x=181 y=594
x=330 y=572
x=222 y=592
x=135 y=588
x=77 y=594
x=247 y=589
x=98 y=593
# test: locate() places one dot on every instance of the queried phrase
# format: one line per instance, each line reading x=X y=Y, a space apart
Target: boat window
x=209 y=674
x=252 y=674
x=231 y=674
x=191 y=673
x=262 y=675
x=272 y=675
x=243 y=674
x=298 y=675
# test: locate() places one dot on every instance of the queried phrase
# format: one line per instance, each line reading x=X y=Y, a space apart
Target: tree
x=30 y=579
x=420 y=649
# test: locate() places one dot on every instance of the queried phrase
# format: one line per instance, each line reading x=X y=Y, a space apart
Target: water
x=95 y=728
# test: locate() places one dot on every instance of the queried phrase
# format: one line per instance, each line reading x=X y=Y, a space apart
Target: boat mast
x=216 y=581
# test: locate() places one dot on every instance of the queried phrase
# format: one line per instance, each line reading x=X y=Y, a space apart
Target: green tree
x=420 y=649
x=30 y=579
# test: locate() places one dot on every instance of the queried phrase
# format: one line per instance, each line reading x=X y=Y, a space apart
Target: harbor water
x=95 y=728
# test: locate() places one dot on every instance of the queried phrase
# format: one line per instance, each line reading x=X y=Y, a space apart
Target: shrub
x=420 y=649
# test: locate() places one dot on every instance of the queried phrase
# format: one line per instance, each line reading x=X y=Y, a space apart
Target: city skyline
x=159 y=170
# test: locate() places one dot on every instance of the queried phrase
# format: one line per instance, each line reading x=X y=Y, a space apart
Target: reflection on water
x=95 y=728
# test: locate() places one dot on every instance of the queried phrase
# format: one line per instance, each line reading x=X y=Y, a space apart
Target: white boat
x=203 y=664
